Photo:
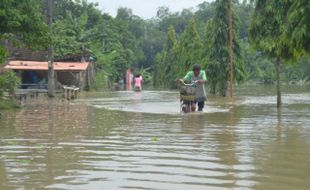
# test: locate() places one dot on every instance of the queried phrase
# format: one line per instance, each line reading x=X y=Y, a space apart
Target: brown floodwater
x=128 y=140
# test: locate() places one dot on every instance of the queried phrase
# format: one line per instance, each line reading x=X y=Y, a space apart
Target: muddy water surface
x=127 y=140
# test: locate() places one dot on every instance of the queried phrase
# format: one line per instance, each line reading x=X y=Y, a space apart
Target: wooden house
x=70 y=70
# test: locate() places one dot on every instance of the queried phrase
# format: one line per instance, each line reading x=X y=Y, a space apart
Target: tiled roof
x=40 y=65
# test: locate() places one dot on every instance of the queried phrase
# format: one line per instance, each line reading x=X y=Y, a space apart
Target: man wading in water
x=199 y=78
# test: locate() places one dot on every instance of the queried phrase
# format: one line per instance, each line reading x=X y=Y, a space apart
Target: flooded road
x=127 y=140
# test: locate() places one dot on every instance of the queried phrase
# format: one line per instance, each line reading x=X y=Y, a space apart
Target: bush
x=9 y=104
x=147 y=76
x=3 y=54
x=9 y=82
x=101 y=80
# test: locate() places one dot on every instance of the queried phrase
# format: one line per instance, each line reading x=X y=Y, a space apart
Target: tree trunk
x=278 y=69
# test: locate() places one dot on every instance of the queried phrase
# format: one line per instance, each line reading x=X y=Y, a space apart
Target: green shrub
x=3 y=54
x=9 y=82
x=8 y=104
x=147 y=76
x=101 y=80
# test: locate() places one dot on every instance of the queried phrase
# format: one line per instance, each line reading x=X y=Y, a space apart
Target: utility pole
x=51 y=74
x=230 y=50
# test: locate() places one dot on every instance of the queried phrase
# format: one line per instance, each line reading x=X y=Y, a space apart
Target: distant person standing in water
x=199 y=78
x=138 y=82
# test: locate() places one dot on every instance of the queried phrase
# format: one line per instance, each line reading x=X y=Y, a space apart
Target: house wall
x=89 y=76
x=69 y=78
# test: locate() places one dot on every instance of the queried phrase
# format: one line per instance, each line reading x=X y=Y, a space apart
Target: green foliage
x=178 y=55
x=298 y=26
x=146 y=75
x=189 y=50
x=70 y=35
x=244 y=11
x=298 y=73
x=217 y=49
x=212 y=24
x=165 y=44
x=3 y=54
x=9 y=82
x=23 y=20
x=260 y=69
x=112 y=40
x=178 y=20
x=101 y=80
x=159 y=79
x=269 y=33
x=166 y=67
x=164 y=48
x=9 y=104
x=268 y=28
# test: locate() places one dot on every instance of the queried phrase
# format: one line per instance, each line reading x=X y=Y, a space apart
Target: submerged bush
x=9 y=104
x=9 y=82
x=101 y=81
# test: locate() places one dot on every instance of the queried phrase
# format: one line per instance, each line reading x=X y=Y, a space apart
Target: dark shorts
x=201 y=105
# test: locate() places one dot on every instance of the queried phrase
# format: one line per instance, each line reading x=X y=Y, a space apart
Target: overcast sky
x=145 y=8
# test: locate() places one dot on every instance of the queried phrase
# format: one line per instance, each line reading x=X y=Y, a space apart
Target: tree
x=205 y=12
x=217 y=49
x=244 y=10
x=178 y=56
x=151 y=43
x=70 y=35
x=3 y=54
x=9 y=82
x=23 y=22
x=165 y=70
x=268 y=26
x=297 y=32
x=178 y=20
x=76 y=28
x=189 y=51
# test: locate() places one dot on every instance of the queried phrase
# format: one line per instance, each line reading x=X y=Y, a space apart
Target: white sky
x=145 y=8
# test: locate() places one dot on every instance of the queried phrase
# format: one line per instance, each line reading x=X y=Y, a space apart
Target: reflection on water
x=126 y=140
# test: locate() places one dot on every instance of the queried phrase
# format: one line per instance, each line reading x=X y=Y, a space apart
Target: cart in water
x=188 y=98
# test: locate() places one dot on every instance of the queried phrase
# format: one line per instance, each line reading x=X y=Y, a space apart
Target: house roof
x=43 y=65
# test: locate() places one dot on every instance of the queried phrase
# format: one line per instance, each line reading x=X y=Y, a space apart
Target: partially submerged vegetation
x=278 y=34
x=163 y=48
x=8 y=83
x=9 y=104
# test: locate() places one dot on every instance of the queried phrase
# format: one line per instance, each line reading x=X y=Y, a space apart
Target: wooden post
x=76 y=93
x=230 y=50
x=81 y=81
x=69 y=95
x=66 y=93
x=51 y=75
x=278 y=69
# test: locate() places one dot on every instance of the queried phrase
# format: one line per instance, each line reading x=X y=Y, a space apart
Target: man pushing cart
x=192 y=90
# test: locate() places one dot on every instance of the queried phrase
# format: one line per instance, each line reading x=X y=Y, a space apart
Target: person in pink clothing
x=138 y=82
